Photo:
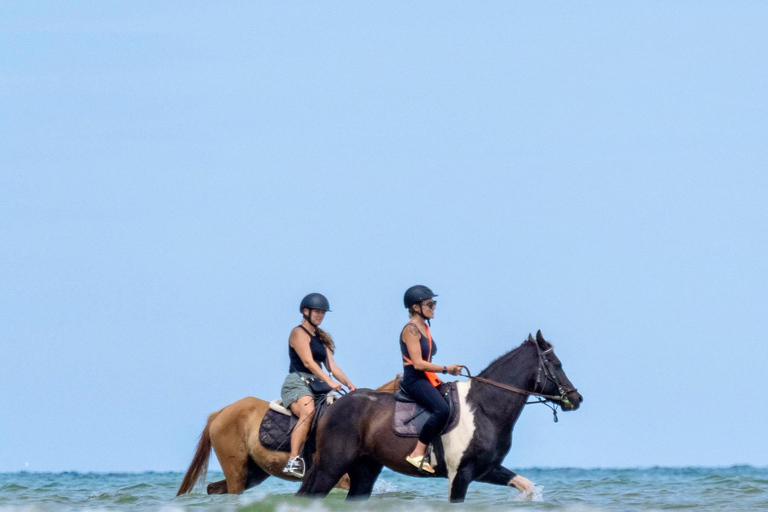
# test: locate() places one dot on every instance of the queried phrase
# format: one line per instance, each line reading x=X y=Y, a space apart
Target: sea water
x=726 y=489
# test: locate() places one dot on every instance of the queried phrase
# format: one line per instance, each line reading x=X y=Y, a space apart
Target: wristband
x=445 y=369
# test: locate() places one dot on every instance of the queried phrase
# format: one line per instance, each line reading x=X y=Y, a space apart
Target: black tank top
x=319 y=354
x=408 y=369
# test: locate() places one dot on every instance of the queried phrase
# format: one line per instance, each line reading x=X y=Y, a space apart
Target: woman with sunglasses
x=419 y=380
x=308 y=348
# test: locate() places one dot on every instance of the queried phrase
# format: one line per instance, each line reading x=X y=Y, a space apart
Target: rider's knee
x=441 y=415
x=307 y=412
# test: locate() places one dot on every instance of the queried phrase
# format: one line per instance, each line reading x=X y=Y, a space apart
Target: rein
x=544 y=365
x=510 y=388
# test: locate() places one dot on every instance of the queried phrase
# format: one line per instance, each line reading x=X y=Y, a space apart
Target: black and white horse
x=356 y=435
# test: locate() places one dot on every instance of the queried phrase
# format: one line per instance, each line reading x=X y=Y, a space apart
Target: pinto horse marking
x=456 y=442
x=356 y=435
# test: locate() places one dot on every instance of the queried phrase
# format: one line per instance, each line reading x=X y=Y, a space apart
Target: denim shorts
x=295 y=388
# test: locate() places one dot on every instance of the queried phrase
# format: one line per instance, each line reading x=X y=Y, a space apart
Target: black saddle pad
x=275 y=431
x=410 y=417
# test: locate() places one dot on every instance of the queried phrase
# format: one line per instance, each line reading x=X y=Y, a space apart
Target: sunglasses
x=430 y=304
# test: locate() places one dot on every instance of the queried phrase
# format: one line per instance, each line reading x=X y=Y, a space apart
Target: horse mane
x=506 y=361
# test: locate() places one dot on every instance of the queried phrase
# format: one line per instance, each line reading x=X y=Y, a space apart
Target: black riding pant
x=430 y=398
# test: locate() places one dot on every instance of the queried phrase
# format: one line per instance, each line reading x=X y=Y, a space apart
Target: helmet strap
x=422 y=316
x=306 y=317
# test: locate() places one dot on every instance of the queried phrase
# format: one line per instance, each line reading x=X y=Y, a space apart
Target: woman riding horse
x=356 y=436
x=419 y=380
x=308 y=348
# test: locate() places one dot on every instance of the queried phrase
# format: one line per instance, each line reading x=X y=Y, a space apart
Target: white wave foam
x=314 y=506
x=382 y=485
x=535 y=494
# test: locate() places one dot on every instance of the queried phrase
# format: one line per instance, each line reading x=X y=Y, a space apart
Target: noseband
x=545 y=368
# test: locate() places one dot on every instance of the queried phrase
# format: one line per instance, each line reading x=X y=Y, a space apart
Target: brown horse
x=233 y=433
x=356 y=438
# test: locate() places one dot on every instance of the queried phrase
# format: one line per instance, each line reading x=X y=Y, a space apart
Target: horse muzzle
x=571 y=401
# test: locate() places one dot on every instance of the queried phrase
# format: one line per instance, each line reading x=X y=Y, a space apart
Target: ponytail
x=326 y=339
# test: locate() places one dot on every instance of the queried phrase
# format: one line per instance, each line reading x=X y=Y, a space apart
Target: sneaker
x=295 y=467
x=420 y=463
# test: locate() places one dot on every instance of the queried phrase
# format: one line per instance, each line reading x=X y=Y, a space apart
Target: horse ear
x=540 y=339
x=530 y=338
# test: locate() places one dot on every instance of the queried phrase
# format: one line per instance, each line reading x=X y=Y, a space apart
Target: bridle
x=546 y=367
x=546 y=370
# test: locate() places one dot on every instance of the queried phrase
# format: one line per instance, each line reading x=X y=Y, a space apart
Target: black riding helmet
x=416 y=294
x=315 y=301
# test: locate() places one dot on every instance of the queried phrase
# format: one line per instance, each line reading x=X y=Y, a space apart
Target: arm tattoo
x=414 y=330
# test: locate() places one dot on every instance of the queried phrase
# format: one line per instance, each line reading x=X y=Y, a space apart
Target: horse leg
x=502 y=476
x=234 y=464
x=256 y=475
x=238 y=479
x=318 y=482
x=362 y=475
x=332 y=460
x=219 y=487
x=460 y=482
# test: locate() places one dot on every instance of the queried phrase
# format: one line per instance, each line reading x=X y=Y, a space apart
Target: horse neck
x=518 y=369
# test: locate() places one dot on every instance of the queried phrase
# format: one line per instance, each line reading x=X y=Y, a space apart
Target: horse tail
x=199 y=466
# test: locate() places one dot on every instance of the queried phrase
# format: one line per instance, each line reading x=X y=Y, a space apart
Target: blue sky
x=173 y=179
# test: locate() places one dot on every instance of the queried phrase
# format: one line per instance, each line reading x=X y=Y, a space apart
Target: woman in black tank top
x=419 y=380
x=309 y=347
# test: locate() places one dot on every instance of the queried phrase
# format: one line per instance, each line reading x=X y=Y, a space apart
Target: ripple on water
x=137 y=487
x=570 y=490
x=13 y=488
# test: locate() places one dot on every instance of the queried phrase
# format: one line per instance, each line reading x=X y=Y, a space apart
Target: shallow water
x=726 y=489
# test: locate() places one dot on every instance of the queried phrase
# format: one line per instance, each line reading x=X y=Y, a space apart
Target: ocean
x=568 y=489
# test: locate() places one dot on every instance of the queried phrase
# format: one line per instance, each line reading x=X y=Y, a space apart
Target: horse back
x=239 y=419
x=360 y=424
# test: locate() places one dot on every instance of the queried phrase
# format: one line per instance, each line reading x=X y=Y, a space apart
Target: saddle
x=410 y=417
x=279 y=422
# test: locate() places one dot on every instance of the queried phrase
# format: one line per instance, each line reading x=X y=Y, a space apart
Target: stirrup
x=420 y=463
x=295 y=467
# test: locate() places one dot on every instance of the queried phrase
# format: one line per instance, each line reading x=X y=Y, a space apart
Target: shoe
x=420 y=463
x=295 y=467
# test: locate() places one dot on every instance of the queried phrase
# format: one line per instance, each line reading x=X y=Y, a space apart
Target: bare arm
x=337 y=373
x=411 y=338
x=299 y=340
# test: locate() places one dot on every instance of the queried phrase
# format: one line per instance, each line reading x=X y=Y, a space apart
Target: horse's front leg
x=503 y=476
x=460 y=482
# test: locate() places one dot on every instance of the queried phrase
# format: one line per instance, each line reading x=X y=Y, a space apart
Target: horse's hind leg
x=219 y=487
x=326 y=471
x=234 y=464
x=256 y=475
x=318 y=482
x=332 y=460
x=362 y=475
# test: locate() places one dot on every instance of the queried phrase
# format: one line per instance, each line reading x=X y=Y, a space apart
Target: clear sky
x=175 y=177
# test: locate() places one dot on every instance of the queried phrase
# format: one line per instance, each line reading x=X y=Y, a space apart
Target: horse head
x=551 y=379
